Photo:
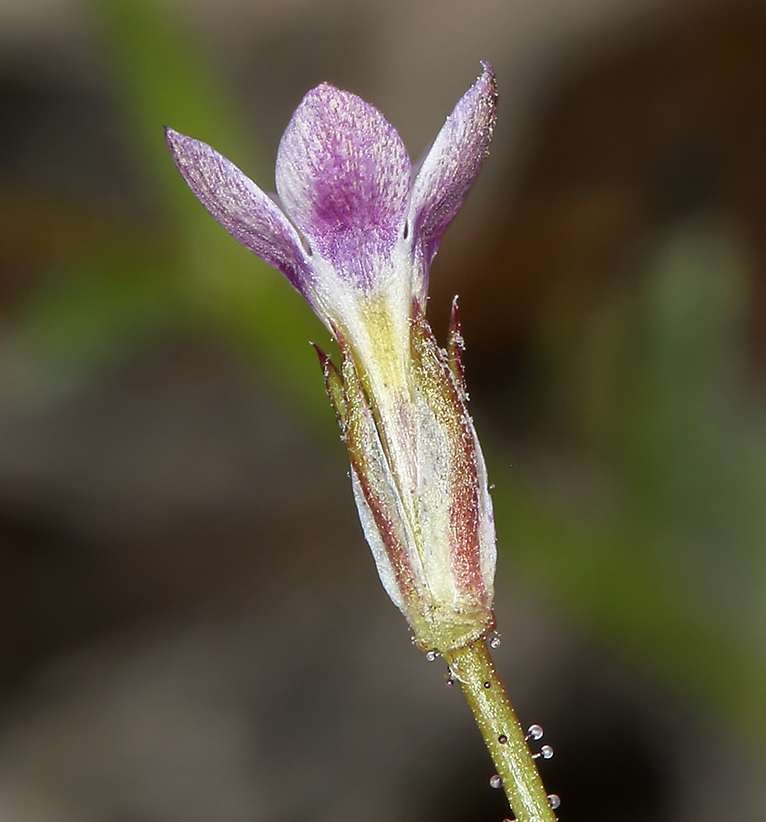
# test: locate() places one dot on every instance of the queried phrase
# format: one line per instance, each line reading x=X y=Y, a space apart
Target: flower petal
x=242 y=208
x=343 y=175
x=451 y=166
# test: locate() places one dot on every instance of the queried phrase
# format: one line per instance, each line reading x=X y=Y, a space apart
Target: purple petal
x=343 y=175
x=451 y=166
x=246 y=212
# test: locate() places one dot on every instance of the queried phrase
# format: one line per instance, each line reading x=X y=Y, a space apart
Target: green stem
x=473 y=668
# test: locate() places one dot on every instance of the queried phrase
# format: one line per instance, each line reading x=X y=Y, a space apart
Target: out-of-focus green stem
x=473 y=668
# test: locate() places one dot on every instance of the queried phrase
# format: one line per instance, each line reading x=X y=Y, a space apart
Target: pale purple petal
x=451 y=166
x=343 y=175
x=243 y=209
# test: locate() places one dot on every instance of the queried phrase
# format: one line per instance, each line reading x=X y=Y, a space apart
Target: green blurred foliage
x=669 y=570
x=186 y=271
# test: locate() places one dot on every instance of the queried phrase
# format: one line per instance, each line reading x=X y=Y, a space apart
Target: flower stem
x=473 y=668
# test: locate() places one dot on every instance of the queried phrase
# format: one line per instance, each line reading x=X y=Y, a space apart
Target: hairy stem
x=472 y=667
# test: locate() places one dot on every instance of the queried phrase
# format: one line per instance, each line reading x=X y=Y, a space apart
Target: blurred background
x=191 y=627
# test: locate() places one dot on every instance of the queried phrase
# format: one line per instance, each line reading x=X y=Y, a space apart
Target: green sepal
x=455 y=349
x=333 y=383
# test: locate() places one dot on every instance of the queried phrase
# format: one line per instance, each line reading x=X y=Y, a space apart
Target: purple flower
x=355 y=230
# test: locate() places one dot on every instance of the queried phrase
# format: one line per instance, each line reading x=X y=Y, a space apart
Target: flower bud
x=355 y=234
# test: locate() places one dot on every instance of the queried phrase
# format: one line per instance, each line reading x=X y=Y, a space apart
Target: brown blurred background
x=191 y=628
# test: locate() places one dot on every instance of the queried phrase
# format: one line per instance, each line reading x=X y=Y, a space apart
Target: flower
x=354 y=229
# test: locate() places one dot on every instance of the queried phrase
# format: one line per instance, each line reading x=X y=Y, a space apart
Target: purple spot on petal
x=343 y=175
